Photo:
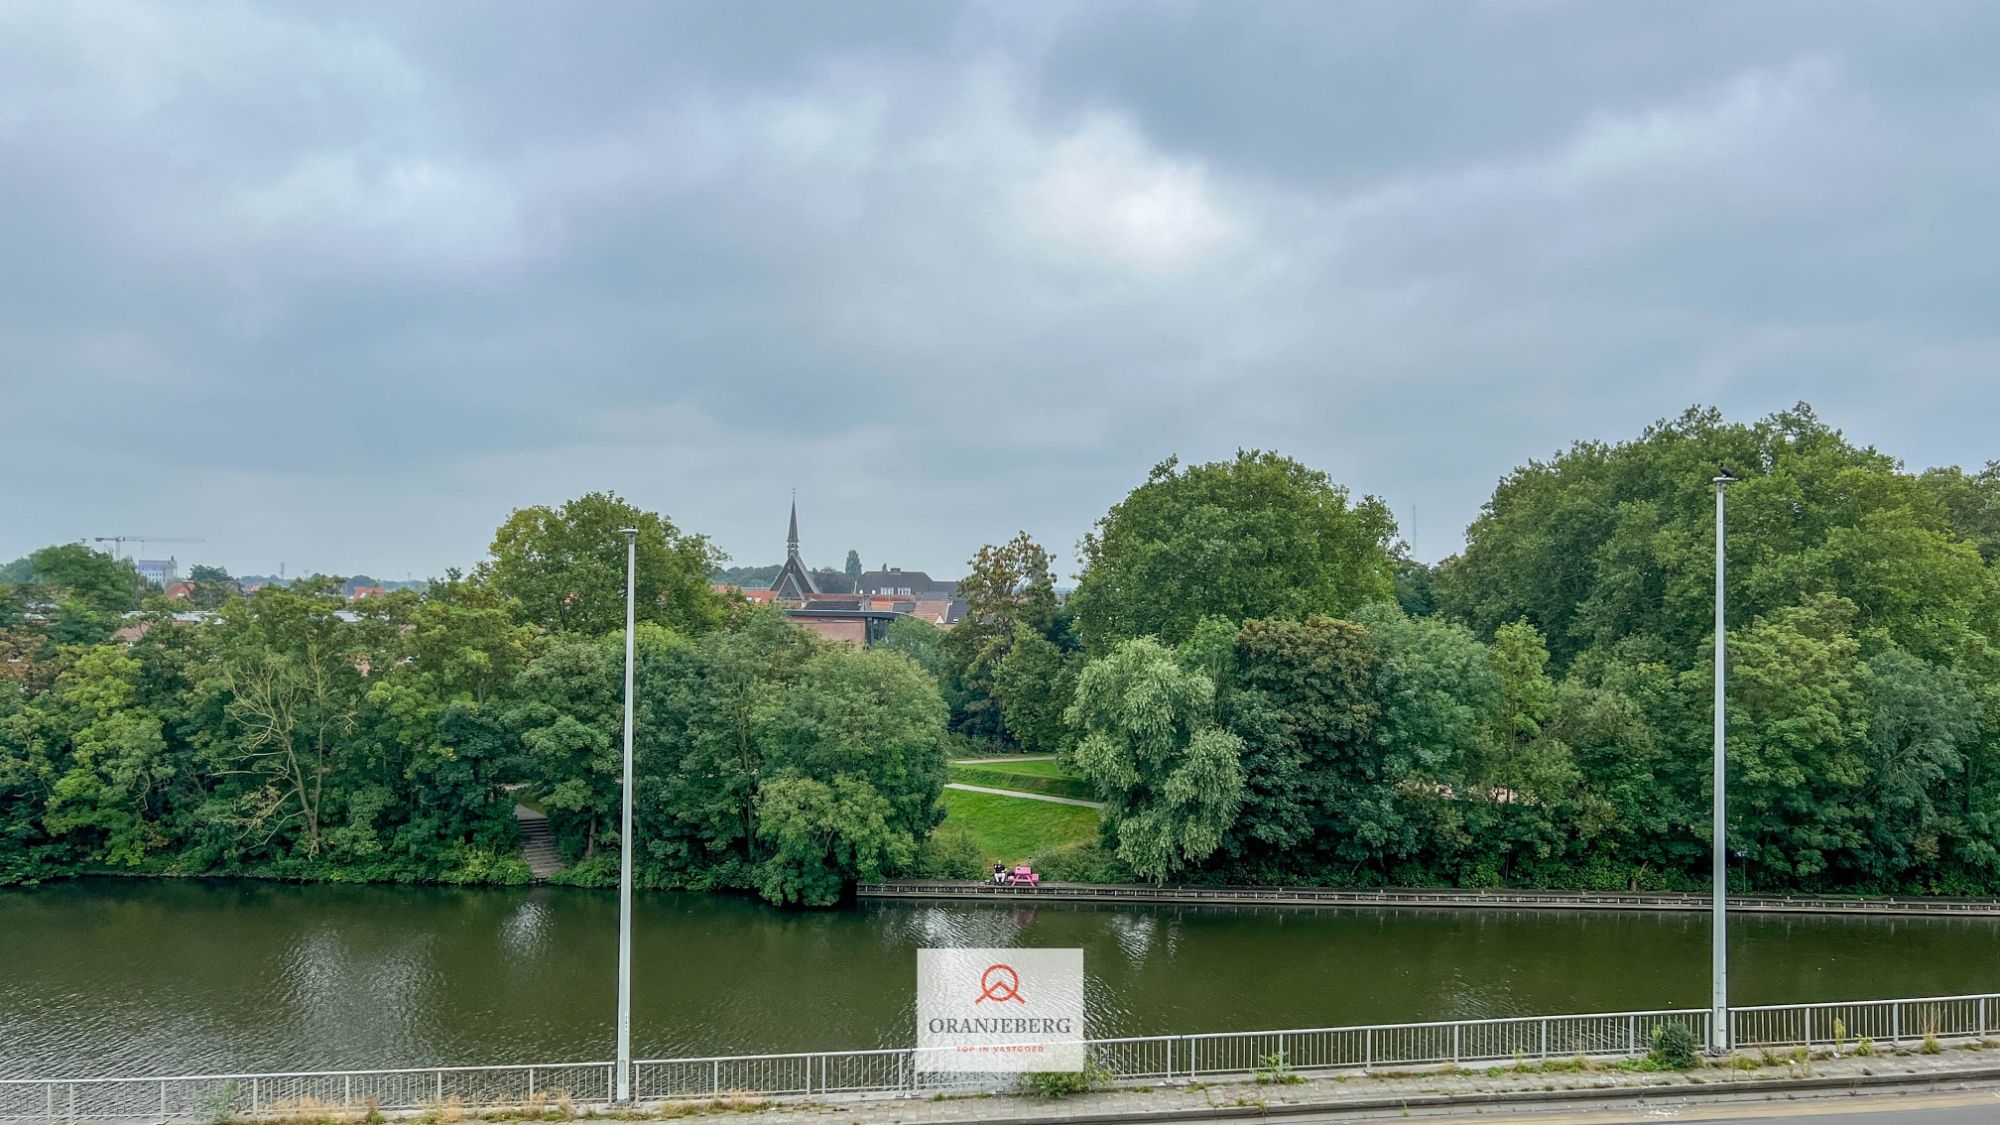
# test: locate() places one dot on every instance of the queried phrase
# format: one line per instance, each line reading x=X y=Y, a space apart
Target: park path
x=1003 y=761
x=1025 y=796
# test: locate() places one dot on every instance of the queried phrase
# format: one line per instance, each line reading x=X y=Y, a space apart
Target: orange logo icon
x=1001 y=983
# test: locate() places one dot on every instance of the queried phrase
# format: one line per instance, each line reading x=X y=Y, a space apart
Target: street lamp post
x=1718 y=1020
x=624 y=1093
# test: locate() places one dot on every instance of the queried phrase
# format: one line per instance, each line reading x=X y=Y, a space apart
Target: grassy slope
x=1016 y=776
x=1043 y=767
x=1014 y=829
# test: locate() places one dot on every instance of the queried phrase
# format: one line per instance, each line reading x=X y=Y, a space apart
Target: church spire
x=794 y=583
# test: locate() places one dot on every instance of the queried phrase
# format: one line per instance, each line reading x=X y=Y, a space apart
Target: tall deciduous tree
x=1257 y=536
x=1606 y=542
x=1306 y=710
x=566 y=567
x=1172 y=780
x=1010 y=602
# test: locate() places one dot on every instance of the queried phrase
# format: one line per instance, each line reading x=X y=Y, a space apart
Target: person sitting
x=999 y=873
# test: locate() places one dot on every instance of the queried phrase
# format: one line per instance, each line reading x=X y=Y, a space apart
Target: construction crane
x=118 y=542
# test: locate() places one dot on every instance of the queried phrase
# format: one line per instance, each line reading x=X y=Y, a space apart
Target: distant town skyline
x=341 y=287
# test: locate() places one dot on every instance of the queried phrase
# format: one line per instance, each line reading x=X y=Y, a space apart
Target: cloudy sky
x=339 y=285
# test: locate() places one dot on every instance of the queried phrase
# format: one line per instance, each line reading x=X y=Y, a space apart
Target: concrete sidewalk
x=1397 y=1094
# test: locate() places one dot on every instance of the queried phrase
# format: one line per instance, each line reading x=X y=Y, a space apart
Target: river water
x=139 y=977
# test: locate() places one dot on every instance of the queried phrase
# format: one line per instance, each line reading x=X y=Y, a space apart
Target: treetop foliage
x=1260 y=535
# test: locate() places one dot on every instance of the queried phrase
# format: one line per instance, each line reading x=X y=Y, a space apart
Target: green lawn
x=1015 y=830
x=1028 y=777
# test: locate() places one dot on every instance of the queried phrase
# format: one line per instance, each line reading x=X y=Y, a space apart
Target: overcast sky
x=340 y=285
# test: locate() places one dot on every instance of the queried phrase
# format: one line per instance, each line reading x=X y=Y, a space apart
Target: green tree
x=566 y=567
x=114 y=759
x=1010 y=595
x=92 y=579
x=917 y=639
x=853 y=568
x=289 y=684
x=705 y=737
x=567 y=713
x=1798 y=744
x=1033 y=683
x=1257 y=536
x=1607 y=542
x=1172 y=781
x=1305 y=709
x=212 y=586
x=823 y=835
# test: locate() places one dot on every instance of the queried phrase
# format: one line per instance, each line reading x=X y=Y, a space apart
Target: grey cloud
x=341 y=288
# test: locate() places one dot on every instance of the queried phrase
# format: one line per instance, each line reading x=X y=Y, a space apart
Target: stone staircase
x=538 y=844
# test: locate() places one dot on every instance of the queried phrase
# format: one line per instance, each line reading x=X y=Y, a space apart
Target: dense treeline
x=1262 y=688
x=1251 y=672
x=294 y=735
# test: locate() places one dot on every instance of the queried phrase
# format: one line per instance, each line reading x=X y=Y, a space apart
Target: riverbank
x=1452 y=899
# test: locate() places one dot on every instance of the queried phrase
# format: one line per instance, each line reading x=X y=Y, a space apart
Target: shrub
x=1865 y=1047
x=948 y=853
x=1086 y=862
x=1674 y=1047
x=1063 y=1083
x=1272 y=1069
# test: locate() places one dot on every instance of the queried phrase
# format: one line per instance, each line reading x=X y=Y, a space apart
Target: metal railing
x=812 y=1074
x=213 y=1097
x=1894 y=1023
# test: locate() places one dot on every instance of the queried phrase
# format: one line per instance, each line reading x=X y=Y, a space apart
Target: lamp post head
x=629 y=532
x=1724 y=476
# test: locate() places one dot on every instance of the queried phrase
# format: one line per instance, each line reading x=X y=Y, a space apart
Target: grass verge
x=1014 y=830
x=1017 y=777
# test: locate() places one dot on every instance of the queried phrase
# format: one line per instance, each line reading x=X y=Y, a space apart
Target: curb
x=1514 y=1098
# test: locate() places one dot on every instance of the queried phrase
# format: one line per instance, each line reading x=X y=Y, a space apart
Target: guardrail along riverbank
x=1454 y=899
x=1522 y=1041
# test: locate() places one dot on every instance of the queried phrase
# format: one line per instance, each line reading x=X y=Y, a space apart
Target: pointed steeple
x=794 y=582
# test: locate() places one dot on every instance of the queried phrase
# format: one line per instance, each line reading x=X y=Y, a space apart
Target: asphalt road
x=1969 y=1107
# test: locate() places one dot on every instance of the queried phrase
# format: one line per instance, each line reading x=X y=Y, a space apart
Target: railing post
x=1631 y=1035
x=1545 y=1038
x=717 y=1076
x=72 y=1101
x=163 y=1100
x=440 y=1086
x=531 y=1083
x=1896 y=1023
x=256 y=1104
x=1808 y=1029
x=1368 y=1050
x=1454 y=1044
x=1982 y=1015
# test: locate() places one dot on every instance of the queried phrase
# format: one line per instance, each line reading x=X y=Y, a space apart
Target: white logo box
x=999 y=1011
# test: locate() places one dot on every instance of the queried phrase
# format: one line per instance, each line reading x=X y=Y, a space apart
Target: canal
x=142 y=977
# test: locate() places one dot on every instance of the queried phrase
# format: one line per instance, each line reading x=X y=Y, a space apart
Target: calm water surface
x=151 y=977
